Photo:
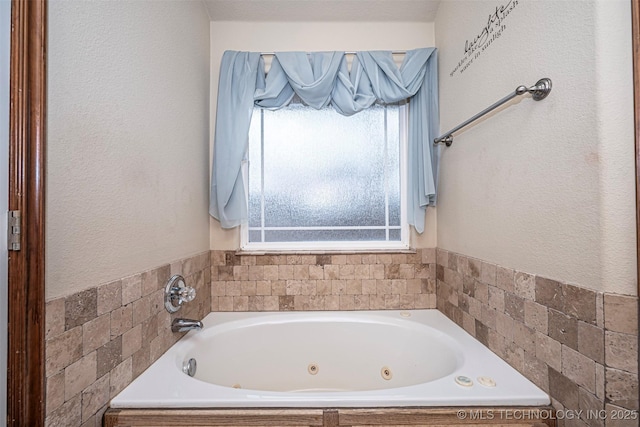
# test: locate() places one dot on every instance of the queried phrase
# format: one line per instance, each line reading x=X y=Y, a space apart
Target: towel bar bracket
x=541 y=89
x=447 y=140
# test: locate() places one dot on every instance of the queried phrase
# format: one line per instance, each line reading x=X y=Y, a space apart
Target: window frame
x=355 y=246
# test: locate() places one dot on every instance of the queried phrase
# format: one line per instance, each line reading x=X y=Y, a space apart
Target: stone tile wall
x=578 y=345
x=100 y=339
x=373 y=281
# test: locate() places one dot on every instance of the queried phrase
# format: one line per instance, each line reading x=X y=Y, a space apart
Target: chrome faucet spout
x=184 y=325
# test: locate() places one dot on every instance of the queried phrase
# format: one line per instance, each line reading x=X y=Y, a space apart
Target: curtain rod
x=393 y=52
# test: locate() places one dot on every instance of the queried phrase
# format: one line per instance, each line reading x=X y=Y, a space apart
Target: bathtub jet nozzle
x=185 y=325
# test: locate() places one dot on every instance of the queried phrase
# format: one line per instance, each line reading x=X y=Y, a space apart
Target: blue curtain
x=321 y=79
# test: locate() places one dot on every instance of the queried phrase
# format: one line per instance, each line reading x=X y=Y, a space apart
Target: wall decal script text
x=492 y=31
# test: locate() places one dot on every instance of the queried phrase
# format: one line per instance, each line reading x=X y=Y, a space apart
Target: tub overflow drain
x=236 y=386
x=189 y=367
x=386 y=373
x=313 y=368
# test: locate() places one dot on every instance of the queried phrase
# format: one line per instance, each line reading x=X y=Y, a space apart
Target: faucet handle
x=186 y=294
x=176 y=292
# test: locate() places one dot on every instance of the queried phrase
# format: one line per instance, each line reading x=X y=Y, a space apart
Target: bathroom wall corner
x=100 y=339
x=578 y=345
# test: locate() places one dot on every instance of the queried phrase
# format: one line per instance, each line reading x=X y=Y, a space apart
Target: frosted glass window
x=318 y=176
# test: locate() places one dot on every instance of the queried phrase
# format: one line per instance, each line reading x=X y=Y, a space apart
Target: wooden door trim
x=635 y=30
x=26 y=291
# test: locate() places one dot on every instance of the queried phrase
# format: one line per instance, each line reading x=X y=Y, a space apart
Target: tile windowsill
x=327 y=252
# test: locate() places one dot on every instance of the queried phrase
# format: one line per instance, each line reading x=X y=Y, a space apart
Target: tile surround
x=578 y=345
x=322 y=282
x=98 y=340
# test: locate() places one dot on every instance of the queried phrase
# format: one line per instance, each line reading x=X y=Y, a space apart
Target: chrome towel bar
x=538 y=92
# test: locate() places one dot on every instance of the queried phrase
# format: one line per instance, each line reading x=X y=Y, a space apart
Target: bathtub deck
x=338 y=417
x=399 y=340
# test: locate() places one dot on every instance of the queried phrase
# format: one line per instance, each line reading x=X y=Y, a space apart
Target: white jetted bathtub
x=330 y=359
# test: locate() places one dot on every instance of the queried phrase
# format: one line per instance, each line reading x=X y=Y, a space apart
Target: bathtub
x=329 y=359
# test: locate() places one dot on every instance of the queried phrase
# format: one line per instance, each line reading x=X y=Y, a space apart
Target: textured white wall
x=312 y=36
x=545 y=187
x=128 y=125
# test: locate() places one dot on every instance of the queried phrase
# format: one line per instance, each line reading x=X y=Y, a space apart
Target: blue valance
x=321 y=79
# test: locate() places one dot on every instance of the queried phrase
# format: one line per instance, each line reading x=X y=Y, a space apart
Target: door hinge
x=13 y=232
